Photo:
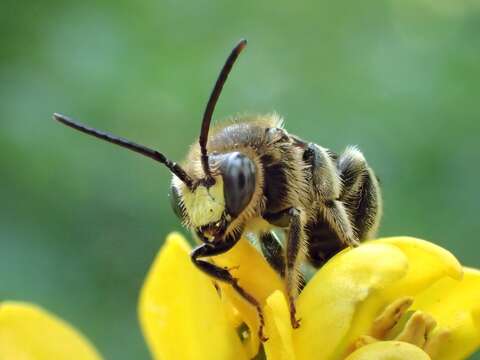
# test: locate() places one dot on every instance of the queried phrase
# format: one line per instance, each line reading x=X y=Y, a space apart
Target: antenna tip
x=242 y=43
x=63 y=119
x=57 y=116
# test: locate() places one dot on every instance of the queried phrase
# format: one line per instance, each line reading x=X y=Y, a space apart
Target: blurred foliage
x=81 y=220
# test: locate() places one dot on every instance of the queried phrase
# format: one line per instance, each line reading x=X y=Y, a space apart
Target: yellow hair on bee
x=205 y=206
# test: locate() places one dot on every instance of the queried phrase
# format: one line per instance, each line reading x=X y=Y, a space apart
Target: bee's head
x=211 y=208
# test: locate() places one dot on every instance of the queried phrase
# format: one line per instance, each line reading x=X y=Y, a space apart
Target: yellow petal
x=252 y=270
x=180 y=311
x=427 y=263
x=328 y=304
x=389 y=350
x=279 y=345
x=257 y=277
x=28 y=332
x=455 y=305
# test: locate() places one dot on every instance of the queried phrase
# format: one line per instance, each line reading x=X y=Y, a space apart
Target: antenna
x=212 y=101
x=153 y=154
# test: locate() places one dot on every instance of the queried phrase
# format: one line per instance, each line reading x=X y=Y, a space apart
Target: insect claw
x=296 y=323
x=261 y=335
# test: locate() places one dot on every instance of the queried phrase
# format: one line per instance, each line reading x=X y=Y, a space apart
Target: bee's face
x=210 y=210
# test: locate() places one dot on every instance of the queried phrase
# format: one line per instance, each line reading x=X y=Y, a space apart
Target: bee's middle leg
x=291 y=218
x=222 y=274
x=292 y=269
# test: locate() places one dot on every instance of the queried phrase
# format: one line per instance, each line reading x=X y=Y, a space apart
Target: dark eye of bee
x=238 y=174
x=175 y=202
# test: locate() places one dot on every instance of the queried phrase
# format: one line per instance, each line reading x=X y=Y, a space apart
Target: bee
x=249 y=175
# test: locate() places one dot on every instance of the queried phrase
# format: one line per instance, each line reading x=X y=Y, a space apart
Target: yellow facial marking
x=204 y=205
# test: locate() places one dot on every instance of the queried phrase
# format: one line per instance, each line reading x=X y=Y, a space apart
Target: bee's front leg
x=221 y=274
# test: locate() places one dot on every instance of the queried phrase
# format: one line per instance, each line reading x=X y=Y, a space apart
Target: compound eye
x=238 y=182
x=175 y=202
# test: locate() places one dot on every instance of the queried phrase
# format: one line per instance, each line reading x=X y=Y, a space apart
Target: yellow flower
x=394 y=298
x=28 y=332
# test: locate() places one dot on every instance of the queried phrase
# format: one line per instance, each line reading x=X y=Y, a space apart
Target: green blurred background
x=81 y=220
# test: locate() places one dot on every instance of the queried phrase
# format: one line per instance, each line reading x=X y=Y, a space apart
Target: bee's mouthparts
x=213 y=230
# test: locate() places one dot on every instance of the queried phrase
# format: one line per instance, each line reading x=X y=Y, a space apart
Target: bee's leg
x=273 y=252
x=328 y=187
x=336 y=215
x=361 y=192
x=219 y=273
x=291 y=219
x=295 y=244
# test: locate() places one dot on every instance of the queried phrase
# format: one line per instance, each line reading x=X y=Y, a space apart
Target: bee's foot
x=295 y=322
x=261 y=335
x=293 y=315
